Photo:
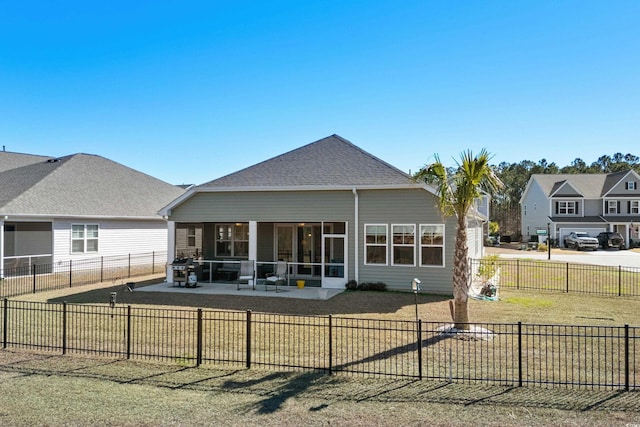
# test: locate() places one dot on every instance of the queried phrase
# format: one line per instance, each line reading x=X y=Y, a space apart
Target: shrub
x=372 y=286
x=352 y=285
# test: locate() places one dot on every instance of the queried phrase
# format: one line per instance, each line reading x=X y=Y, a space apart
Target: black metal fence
x=68 y=274
x=544 y=275
x=519 y=354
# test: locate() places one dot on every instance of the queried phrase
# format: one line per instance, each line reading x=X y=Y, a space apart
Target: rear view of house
x=331 y=211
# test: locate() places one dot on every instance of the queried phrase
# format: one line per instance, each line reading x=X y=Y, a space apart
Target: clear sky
x=190 y=91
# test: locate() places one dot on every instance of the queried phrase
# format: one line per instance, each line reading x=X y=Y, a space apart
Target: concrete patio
x=312 y=293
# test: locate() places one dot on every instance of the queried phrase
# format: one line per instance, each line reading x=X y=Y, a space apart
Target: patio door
x=334 y=256
x=300 y=245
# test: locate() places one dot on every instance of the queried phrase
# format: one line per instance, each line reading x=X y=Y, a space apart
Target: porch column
x=171 y=248
x=1 y=248
x=253 y=240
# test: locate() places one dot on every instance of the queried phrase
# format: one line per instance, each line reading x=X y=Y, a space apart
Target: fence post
x=248 y=339
x=619 y=280
x=153 y=262
x=517 y=273
x=64 y=328
x=330 y=344
x=33 y=271
x=519 y=354
x=199 y=339
x=129 y=331
x=419 y=325
x=626 y=357
x=567 y=284
x=102 y=269
x=129 y=267
x=5 y=322
x=70 y=273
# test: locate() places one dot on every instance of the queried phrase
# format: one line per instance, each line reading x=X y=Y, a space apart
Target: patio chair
x=247 y=274
x=279 y=276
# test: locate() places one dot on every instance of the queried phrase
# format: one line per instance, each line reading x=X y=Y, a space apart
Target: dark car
x=610 y=239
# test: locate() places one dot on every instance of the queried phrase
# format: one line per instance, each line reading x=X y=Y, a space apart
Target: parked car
x=611 y=239
x=581 y=240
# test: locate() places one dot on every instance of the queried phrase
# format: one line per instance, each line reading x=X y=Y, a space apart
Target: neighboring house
x=77 y=207
x=332 y=211
x=581 y=202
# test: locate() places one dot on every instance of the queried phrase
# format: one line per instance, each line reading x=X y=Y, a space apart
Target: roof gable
x=331 y=161
x=588 y=186
x=83 y=185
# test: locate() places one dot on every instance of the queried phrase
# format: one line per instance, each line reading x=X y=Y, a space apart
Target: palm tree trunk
x=461 y=277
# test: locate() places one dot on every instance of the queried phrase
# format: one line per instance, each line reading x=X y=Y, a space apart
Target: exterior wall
x=535 y=211
x=405 y=207
x=475 y=239
x=409 y=206
x=283 y=206
x=592 y=207
x=115 y=237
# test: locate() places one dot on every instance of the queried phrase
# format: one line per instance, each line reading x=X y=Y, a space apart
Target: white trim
x=2 y=248
x=253 y=240
x=403 y=245
x=356 y=248
x=386 y=245
x=85 y=238
x=420 y=245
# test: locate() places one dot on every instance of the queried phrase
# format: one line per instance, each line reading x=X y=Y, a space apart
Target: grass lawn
x=538 y=307
x=50 y=389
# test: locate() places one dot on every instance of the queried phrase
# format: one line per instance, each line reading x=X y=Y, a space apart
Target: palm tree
x=457 y=191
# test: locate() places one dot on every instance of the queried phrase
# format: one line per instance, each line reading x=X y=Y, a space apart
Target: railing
x=68 y=274
x=603 y=357
x=566 y=277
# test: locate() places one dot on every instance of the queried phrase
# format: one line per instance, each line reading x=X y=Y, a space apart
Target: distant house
x=77 y=207
x=329 y=209
x=581 y=202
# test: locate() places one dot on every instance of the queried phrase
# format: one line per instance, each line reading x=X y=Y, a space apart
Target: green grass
x=47 y=390
x=529 y=302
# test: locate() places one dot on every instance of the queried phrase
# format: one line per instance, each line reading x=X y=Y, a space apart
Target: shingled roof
x=332 y=161
x=79 y=185
x=589 y=185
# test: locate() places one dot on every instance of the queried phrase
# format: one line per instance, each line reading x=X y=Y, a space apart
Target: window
x=375 y=244
x=403 y=244
x=432 y=245
x=630 y=185
x=191 y=235
x=613 y=207
x=634 y=206
x=567 y=208
x=84 y=238
x=232 y=240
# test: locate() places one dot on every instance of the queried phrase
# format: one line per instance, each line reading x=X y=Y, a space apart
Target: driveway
x=609 y=257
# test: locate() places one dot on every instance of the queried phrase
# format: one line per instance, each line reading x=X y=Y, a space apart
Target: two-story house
x=562 y=203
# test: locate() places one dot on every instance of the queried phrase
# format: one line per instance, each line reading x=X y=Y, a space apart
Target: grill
x=185 y=271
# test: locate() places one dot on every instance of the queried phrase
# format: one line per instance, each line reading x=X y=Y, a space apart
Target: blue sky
x=190 y=91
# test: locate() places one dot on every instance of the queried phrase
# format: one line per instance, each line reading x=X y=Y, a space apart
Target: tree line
x=505 y=206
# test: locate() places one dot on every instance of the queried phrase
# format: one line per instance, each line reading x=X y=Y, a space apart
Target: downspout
x=356 y=227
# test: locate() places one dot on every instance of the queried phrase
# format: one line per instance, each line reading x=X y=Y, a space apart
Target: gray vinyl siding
x=282 y=206
x=537 y=211
x=405 y=207
x=593 y=207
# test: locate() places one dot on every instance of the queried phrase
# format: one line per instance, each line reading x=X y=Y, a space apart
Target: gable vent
x=53 y=160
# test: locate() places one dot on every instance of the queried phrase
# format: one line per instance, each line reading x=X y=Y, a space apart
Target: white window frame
x=634 y=208
x=612 y=207
x=368 y=245
x=569 y=207
x=630 y=185
x=422 y=245
x=232 y=238
x=395 y=245
x=85 y=238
